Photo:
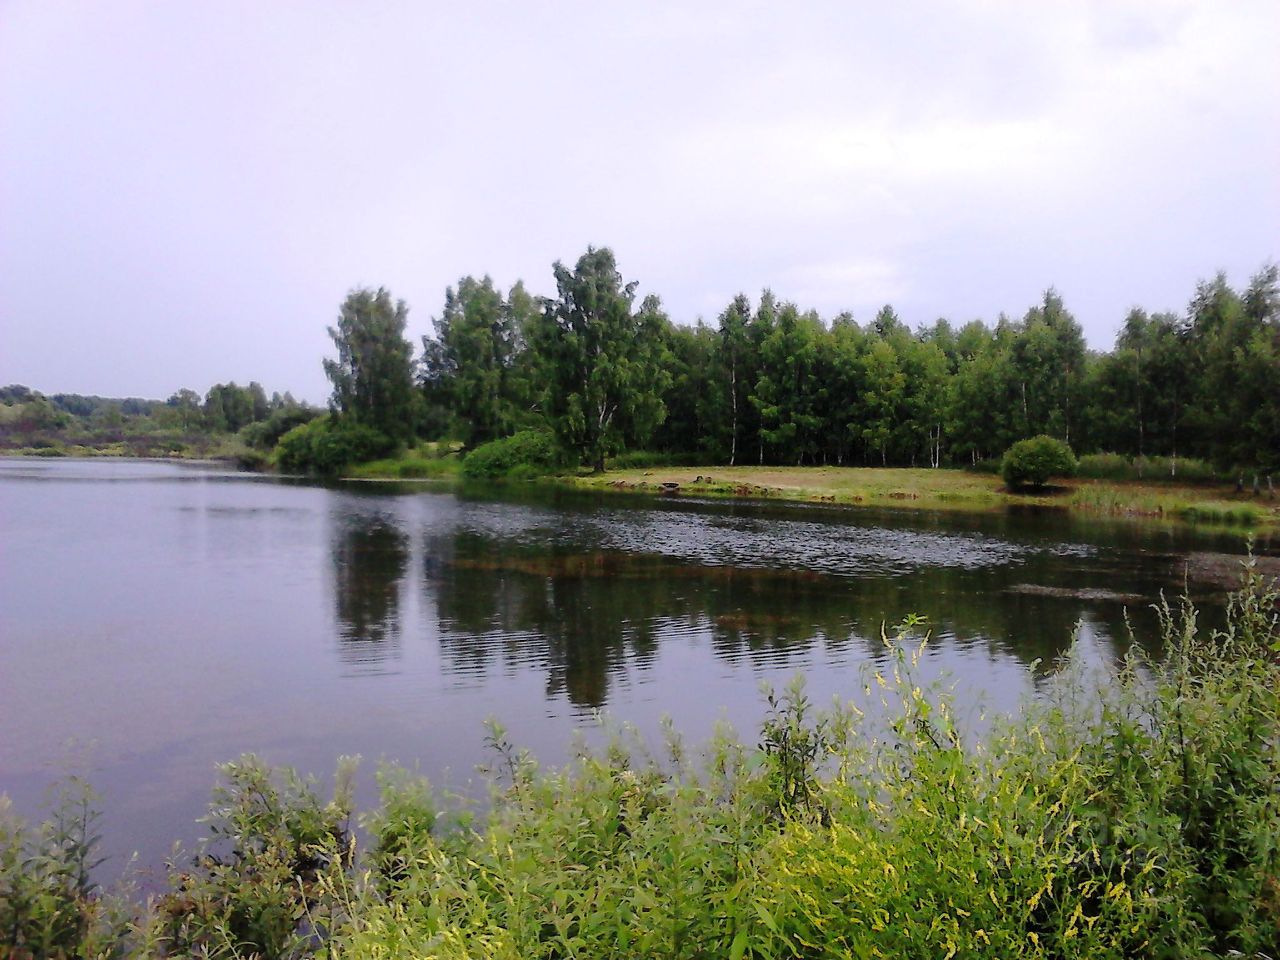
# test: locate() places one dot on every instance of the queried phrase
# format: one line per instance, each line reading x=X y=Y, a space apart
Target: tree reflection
x=370 y=556
x=590 y=619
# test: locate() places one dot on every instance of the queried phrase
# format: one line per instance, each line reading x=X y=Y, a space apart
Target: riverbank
x=941 y=489
x=903 y=488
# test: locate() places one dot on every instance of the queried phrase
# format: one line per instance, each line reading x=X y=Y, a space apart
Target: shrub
x=636 y=459
x=1114 y=466
x=324 y=446
x=265 y=434
x=1106 y=466
x=526 y=454
x=989 y=465
x=49 y=904
x=257 y=887
x=1030 y=463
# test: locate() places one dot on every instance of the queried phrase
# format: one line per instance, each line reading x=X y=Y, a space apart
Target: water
x=156 y=618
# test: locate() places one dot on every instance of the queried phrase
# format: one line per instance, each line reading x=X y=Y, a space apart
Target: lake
x=157 y=618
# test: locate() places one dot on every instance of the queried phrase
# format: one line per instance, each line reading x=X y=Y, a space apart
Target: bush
x=636 y=459
x=526 y=454
x=49 y=904
x=258 y=885
x=265 y=434
x=324 y=446
x=990 y=465
x=1114 y=466
x=1106 y=466
x=1030 y=463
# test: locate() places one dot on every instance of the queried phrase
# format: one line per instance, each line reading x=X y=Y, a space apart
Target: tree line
x=184 y=423
x=770 y=383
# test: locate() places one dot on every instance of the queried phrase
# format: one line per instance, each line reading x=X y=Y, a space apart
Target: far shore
x=944 y=488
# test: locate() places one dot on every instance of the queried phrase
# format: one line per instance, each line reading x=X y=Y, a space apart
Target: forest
x=768 y=382
x=772 y=383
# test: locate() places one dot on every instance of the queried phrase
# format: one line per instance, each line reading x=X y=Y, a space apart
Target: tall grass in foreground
x=1137 y=816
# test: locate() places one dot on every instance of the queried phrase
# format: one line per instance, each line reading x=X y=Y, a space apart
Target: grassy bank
x=1128 y=815
x=427 y=461
x=940 y=490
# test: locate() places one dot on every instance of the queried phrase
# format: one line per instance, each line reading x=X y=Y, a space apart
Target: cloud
x=241 y=167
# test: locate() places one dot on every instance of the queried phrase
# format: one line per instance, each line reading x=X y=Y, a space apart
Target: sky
x=189 y=189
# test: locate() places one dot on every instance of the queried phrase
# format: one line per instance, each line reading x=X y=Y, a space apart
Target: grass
x=942 y=489
x=1194 y=504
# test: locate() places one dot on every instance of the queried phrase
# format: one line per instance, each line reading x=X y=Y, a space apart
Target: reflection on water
x=589 y=618
x=177 y=616
x=370 y=555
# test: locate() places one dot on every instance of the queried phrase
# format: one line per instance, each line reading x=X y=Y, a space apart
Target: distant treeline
x=186 y=423
x=771 y=383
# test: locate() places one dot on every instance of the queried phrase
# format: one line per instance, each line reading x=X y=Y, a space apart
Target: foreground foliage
x=1134 y=814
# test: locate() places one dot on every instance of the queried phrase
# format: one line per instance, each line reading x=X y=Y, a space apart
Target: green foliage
x=257 y=886
x=603 y=363
x=373 y=375
x=1032 y=462
x=794 y=748
x=323 y=447
x=469 y=366
x=1114 y=466
x=528 y=453
x=637 y=459
x=228 y=408
x=1209 y=511
x=184 y=425
x=265 y=434
x=49 y=904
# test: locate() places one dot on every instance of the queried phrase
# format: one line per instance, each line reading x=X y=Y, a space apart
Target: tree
x=884 y=387
x=698 y=401
x=469 y=361
x=373 y=375
x=186 y=406
x=734 y=347
x=229 y=406
x=603 y=362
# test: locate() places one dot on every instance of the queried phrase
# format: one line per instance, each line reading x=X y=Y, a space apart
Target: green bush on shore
x=526 y=454
x=1032 y=462
x=325 y=446
x=1134 y=816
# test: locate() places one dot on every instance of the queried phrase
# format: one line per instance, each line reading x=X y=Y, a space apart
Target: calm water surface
x=156 y=618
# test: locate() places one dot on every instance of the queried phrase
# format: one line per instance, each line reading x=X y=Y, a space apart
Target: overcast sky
x=188 y=189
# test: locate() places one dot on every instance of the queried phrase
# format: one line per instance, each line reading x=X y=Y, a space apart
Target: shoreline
x=946 y=489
